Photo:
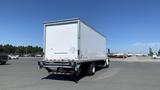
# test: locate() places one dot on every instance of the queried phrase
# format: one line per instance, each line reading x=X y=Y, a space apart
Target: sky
x=129 y=25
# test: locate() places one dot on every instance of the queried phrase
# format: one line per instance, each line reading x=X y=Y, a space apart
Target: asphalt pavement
x=23 y=74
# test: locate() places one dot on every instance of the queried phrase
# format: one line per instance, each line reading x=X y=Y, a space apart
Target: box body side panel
x=92 y=44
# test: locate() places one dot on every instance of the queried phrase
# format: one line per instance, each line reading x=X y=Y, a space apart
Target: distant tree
x=21 y=50
x=150 y=52
x=1 y=49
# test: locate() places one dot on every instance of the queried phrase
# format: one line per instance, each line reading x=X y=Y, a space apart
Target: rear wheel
x=49 y=70
x=92 y=69
x=106 y=63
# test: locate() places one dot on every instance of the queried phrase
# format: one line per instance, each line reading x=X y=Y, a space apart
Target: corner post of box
x=78 y=38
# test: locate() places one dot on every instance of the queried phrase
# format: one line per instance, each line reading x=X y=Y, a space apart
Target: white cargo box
x=73 y=40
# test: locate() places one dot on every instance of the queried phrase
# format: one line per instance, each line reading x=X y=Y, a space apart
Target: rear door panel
x=61 y=41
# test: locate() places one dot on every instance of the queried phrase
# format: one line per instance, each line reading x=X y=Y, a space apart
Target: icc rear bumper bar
x=56 y=64
x=73 y=67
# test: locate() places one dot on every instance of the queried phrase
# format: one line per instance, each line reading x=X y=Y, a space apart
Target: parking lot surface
x=23 y=74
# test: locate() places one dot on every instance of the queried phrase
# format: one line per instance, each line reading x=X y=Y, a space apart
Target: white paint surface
x=61 y=41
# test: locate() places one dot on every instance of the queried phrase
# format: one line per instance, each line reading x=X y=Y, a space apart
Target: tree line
x=21 y=50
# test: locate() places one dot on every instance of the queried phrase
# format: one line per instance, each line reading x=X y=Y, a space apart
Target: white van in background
x=154 y=56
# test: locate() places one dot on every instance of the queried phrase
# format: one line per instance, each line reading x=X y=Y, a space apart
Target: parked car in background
x=26 y=55
x=13 y=56
x=3 y=58
x=38 y=55
x=154 y=56
x=117 y=55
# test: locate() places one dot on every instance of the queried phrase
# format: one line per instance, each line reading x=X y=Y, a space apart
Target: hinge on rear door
x=78 y=52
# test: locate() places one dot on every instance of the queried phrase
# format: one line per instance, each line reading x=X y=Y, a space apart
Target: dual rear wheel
x=91 y=69
x=92 y=66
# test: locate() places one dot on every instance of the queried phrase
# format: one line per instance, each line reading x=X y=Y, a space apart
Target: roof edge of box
x=71 y=20
x=61 y=20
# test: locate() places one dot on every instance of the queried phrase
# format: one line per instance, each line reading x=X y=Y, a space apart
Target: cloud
x=144 y=47
x=150 y=44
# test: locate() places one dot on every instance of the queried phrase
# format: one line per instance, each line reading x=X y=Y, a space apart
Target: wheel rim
x=107 y=62
x=93 y=69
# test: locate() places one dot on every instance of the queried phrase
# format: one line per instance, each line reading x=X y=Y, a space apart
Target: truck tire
x=107 y=63
x=49 y=70
x=92 y=69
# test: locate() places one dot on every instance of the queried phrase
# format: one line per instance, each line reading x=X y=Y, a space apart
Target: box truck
x=71 y=46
